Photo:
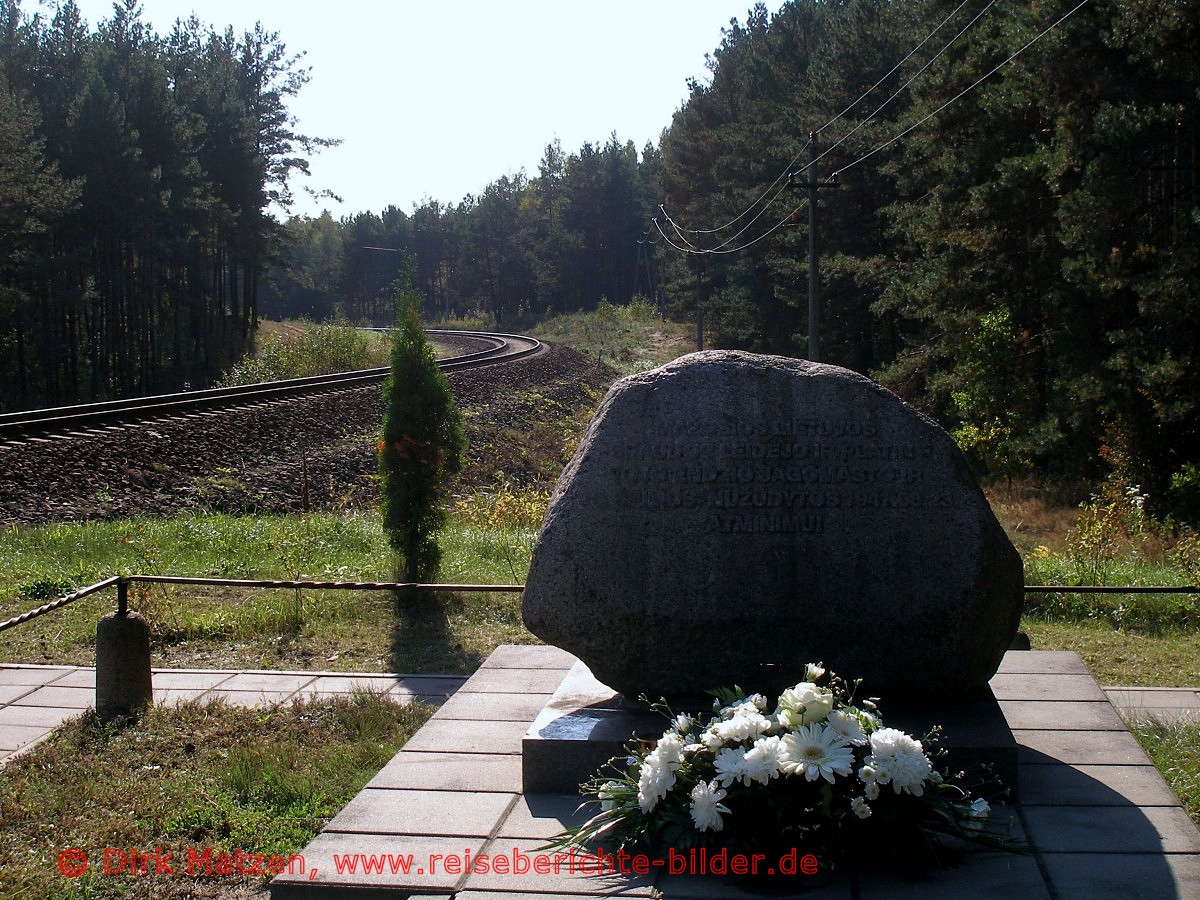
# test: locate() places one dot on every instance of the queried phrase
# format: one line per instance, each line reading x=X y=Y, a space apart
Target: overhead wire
x=723 y=248
x=964 y=91
x=789 y=172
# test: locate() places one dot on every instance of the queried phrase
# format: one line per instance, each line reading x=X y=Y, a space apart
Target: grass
x=1174 y=748
x=273 y=629
x=629 y=338
x=188 y=779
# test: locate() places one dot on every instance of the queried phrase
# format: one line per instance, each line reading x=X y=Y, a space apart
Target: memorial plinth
x=586 y=723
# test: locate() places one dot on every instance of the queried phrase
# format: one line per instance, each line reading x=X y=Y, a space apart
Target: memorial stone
x=730 y=517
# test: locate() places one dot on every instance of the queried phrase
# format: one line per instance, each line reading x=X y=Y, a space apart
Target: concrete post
x=122 y=665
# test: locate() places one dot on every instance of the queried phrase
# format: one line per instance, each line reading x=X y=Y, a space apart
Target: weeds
x=313 y=350
x=1174 y=748
x=187 y=780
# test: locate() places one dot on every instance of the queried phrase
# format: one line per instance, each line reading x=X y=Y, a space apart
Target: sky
x=434 y=101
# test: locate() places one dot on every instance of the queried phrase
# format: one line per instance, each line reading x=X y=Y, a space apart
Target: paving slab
x=543 y=816
x=404 y=865
x=441 y=813
x=14 y=737
x=1042 y=662
x=44 y=717
x=528 y=656
x=513 y=681
x=1049 y=715
x=274 y=682
x=1127 y=876
x=180 y=680
x=493 y=706
x=84 y=678
x=1021 y=686
x=1078 y=747
x=499 y=772
x=450 y=736
x=525 y=865
x=1117 y=829
x=65 y=697
x=10 y=693
x=1064 y=785
x=18 y=674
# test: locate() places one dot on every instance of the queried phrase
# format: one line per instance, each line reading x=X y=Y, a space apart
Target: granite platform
x=1100 y=819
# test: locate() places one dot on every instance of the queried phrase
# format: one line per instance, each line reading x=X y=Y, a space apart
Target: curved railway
x=20 y=426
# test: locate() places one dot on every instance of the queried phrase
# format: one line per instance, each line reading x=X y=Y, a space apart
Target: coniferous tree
x=422 y=443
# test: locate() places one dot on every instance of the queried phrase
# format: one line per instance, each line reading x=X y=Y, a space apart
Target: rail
x=122 y=582
x=30 y=423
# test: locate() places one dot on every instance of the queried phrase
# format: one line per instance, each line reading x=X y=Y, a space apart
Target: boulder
x=730 y=517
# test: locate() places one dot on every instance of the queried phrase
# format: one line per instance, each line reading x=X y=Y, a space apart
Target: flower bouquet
x=817 y=772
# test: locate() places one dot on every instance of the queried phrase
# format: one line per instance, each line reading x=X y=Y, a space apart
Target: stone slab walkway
x=1102 y=820
x=36 y=699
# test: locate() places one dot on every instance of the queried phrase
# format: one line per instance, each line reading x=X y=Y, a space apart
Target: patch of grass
x=1174 y=748
x=1123 y=657
x=189 y=778
x=629 y=338
x=308 y=348
x=273 y=628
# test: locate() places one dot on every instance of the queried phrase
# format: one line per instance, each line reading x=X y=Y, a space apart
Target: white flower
x=899 y=759
x=605 y=794
x=707 y=807
x=813 y=671
x=730 y=764
x=684 y=723
x=848 y=727
x=803 y=704
x=745 y=724
x=860 y=808
x=816 y=752
x=762 y=760
x=871 y=791
x=980 y=808
x=654 y=780
x=670 y=748
x=657 y=775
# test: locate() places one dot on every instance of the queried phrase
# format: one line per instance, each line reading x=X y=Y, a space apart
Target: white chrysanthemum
x=747 y=724
x=605 y=794
x=762 y=760
x=816 y=752
x=848 y=727
x=707 y=807
x=670 y=748
x=803 y=704
x=871 y=791
x=684 y=723
x=730 y=764
x=657 y=775
x=860 y=808
x=899 y=759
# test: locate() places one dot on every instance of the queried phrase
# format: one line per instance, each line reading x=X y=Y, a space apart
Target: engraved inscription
x=776 y=477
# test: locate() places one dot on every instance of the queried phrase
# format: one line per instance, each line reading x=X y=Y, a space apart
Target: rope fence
x=122 y=582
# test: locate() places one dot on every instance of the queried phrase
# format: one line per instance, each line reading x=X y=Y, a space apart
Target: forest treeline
x=136 y=176
x=1010 y=242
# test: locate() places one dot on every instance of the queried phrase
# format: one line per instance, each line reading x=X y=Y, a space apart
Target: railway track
x=23 y=426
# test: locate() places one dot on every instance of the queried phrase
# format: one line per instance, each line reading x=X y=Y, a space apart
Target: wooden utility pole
x=814 y=296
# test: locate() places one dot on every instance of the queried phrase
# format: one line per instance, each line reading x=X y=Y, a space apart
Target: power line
x=789 y=171
x=964 y=91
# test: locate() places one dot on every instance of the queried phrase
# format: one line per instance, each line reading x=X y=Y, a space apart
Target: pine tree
x=422 y=443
